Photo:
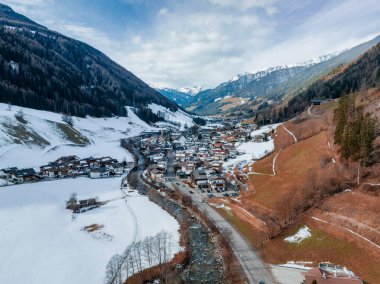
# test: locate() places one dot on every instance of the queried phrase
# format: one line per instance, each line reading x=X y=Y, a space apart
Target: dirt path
x=309 y=112
x=291 y=133
x=352 y=232
x=274 y=163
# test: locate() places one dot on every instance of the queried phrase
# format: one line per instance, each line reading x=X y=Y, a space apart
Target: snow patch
x=302 y=234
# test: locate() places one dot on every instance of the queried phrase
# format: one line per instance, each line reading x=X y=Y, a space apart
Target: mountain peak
x=194 y=89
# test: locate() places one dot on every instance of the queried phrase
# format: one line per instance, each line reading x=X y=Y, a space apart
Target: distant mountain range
x=246 y=93
x=45 y=70
x=181 y=95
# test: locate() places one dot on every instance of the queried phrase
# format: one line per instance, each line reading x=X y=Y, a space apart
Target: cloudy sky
x=190 y=42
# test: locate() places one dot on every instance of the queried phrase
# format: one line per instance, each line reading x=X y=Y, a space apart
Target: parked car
x=191 y=192
x=226 y=194
x=210 y=195
x=234 y=194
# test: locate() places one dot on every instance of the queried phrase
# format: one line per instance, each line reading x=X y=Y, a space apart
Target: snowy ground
x=253 y=150
x=41 y=243
x=265 y=129
x=256 y=149
x=103 y=134
x=179 y=116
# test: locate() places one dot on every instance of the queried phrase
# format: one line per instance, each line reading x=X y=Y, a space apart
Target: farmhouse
x=328 y=273
x=85 y=205
x=199 y=178
x=217 y=182
x=8 y=172
x=24 y=175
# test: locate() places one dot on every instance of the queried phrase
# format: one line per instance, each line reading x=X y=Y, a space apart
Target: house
x=100 y=172
x=24 y=175
x=188 y=167
x=85 y=205
x=328 y=273
x=8 y=172
x=220 y=154
x=117 y=168
x=217 y=182
x=218 y=145
x=259 y=138
x=317 y=101
x=199 y=178
x=156 y=173
x=181 y=175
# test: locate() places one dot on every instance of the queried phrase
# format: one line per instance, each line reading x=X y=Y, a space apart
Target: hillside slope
x=45 y=70
x=361 y=74
x=30 y=138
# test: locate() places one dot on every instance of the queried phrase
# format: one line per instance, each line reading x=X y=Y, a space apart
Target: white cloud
x=267 y=5
x=163 y=11
x=210 y=41
x=136 y=40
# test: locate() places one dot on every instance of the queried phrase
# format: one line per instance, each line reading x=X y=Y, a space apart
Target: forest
x=45 y=70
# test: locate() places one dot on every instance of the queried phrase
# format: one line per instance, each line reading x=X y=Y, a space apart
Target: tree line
x=355 y=131
x=151 y=251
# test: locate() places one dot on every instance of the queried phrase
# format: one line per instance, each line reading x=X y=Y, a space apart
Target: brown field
x=233 y=102
x=270 y=189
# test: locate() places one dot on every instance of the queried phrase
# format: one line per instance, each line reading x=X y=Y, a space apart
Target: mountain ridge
x=46 y=70
x=264 y=87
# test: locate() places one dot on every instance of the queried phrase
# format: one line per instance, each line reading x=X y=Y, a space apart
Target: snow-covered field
x=179 y=116
x=103 y=136
x=42 y=243
x=253 y=150
x=257 y=150
x=265 y=129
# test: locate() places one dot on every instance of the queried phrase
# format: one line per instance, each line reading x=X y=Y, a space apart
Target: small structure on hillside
x=328 y=273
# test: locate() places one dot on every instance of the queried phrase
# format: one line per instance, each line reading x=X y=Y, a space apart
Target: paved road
x=254 y=268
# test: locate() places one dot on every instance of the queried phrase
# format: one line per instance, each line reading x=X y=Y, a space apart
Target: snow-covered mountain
x=194 y=90
x=245 y=93
x=181 y=95
x=178 y=119
x=254 y=75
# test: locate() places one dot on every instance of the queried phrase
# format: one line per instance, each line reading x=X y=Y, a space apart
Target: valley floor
x=42 y=242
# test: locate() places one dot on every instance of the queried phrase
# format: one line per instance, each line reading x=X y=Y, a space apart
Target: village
x=64 y=167
x=198 y=156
